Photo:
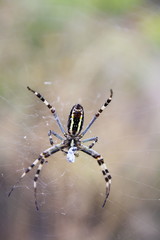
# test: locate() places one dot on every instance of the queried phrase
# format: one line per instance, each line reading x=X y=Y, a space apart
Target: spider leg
x=22 y=176
x=42 y=158
x=50 y=133
x=98 y=113
x=104 y=169
x=52 y=109
x=64 y=151
x=94 y=139
x=35 y=180
x=93 y=143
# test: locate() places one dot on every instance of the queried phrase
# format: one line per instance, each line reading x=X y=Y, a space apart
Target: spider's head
x=75 y=120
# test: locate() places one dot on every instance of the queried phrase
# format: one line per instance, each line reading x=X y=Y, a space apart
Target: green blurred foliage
x=109 y=6
x=116 y=6
x=151 y=27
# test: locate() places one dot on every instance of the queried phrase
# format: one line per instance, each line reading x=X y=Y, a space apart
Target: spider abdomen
x=75 y=120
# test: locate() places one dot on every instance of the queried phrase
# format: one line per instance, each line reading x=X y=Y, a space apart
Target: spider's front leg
x=41 y=160
x=104 y=169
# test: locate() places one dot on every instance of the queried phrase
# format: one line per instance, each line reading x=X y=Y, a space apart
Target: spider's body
x=71 y=143
x=75 y=120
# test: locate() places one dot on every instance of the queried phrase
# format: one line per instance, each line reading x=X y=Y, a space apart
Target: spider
x=70 y=144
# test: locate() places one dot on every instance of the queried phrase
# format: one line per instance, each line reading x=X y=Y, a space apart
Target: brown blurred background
x=75 y=52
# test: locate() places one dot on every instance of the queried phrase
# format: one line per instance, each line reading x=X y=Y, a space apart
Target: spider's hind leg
x=98 y=113
x=51 y=108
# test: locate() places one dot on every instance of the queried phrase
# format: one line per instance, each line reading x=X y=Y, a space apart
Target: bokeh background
x=75 y=52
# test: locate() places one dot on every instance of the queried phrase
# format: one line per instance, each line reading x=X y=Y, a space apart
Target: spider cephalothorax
x=71 y=143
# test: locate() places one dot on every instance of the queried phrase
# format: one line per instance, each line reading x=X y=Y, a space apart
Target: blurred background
x=75 y=52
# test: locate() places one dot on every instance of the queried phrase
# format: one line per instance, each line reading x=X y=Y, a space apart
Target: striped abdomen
x=75 y=120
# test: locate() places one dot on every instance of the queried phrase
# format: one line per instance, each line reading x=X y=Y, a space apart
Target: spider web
x=64 y=189
x=70 y=195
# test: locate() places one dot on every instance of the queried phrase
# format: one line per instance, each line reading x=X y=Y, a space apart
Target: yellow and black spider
x=71 y=143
